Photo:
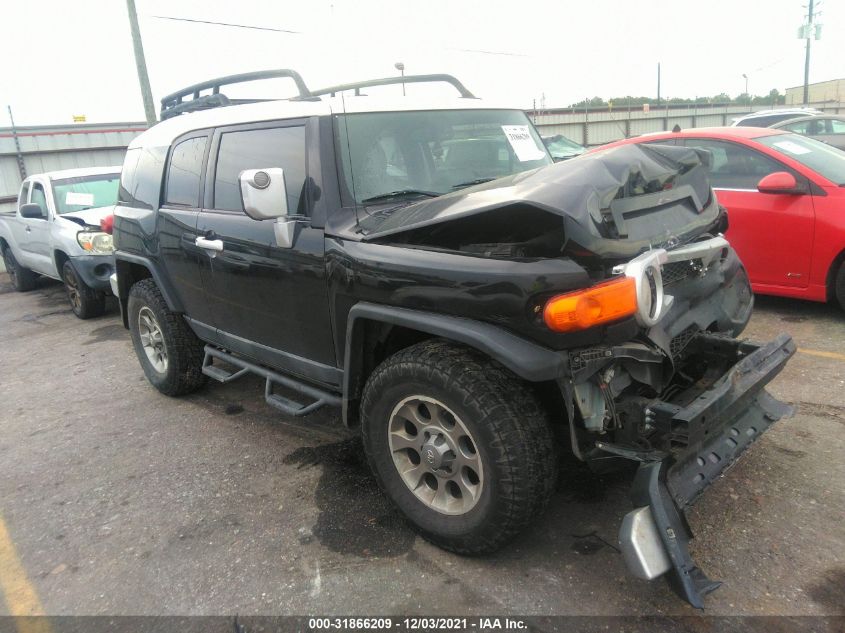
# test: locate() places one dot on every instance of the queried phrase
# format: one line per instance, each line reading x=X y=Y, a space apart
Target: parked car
x=828 y=129
x=765 y=118
x=785 y=196
x=325 y=245
x=562 y=148
x=61 y=229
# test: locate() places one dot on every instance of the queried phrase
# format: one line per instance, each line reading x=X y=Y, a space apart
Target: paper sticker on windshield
x=81 y=199
x=522 y=143
x=791 y=147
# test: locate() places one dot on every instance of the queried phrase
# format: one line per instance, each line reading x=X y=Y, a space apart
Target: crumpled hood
x=89 y=217
x=614 y=203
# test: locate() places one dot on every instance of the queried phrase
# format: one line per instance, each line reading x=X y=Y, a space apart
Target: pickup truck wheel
x=168 y=350
x=22 y=278
x=459 y=444
x=85 y=302
x=840 y=285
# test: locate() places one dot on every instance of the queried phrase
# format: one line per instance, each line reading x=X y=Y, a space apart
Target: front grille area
x=674 y=272
x=680 y=342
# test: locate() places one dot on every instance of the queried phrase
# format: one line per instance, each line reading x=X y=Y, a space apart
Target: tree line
x=773 y=98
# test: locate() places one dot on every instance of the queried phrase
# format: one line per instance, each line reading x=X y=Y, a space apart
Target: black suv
x=470 y=305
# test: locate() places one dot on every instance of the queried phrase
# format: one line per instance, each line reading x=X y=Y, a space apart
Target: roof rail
x=388 y=81
x=173 y=104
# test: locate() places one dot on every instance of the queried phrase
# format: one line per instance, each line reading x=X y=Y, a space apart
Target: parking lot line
x=18 y=593
x=814 y=352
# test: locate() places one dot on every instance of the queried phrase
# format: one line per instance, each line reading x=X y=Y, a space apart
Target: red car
x=785 y=196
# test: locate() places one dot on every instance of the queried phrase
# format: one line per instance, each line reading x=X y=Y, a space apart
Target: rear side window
x=734 y=166
x=834 y=126
x=140 y=177
x=255 y=149
x=184 y=171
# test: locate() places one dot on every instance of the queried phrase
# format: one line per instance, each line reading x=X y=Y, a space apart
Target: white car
x=61 y=229
x=765 y=118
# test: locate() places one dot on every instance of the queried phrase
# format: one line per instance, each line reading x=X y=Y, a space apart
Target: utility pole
x=18 y=153
x=141 y=64
x=658 y=83
x=807 y=54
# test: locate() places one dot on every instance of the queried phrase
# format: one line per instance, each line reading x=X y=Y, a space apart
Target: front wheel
x=168 y=350
x=23 y=279
x=459 y=444
x=85 y=302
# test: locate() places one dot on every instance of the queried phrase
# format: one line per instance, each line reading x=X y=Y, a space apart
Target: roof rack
x=173 y=104
x=389 y=81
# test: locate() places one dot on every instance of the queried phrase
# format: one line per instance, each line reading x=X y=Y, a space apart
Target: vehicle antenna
x=349 y=153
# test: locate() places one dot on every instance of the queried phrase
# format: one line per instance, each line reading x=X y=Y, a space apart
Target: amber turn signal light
x=604 y=302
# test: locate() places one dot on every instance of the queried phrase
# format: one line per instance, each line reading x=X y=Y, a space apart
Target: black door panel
x=275 y=297
x=182 y=259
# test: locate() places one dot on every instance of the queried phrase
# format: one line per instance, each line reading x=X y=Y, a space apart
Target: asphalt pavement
x=115 y=499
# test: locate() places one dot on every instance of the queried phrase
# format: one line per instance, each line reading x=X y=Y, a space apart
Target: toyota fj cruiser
x=426 y=267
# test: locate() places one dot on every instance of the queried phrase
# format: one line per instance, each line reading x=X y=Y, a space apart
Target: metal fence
x=597 y=126
x=32 y=150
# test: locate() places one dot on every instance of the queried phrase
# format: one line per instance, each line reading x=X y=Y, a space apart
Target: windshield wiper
x=470 y=183
x=401 y=193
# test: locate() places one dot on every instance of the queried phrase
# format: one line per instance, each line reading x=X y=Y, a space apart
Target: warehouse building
x=819 y=92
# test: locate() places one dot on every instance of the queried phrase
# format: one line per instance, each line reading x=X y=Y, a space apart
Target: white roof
x=163 y=133
x=78 y=172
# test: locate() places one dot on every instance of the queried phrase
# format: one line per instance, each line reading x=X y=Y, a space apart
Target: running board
x=287 y=406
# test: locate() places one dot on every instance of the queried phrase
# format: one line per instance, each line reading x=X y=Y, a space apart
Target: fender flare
x=166 y=288
x=524 y=358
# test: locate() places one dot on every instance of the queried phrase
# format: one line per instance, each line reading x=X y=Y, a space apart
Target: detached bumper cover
x=715 y=428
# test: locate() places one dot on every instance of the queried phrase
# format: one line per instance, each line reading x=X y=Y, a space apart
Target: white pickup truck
x=62 y=229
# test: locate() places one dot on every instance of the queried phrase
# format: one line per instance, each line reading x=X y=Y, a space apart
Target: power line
x=238 y=26
x=483 y=52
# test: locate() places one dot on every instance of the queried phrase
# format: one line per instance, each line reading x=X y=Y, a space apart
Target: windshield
x=560 y=146
x=433 y=152
x=820 y=157
x=85 y=192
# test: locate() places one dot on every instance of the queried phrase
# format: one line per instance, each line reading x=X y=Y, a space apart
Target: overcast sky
x=61 y=58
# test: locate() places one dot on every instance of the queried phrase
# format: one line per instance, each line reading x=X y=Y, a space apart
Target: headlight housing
x=95 y=242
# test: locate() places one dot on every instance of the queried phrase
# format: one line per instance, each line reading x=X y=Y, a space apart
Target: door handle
x=209 y=245
x=28 y=230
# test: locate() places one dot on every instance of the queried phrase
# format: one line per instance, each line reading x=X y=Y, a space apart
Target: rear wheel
x=85 y=302
x=23 y=279
x=459 y=444
x=839 y=286
x=168 y=350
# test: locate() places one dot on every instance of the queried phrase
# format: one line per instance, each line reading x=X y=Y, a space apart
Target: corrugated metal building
x=32 y=150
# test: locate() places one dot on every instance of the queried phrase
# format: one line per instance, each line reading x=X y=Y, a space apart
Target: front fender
x=524 y=358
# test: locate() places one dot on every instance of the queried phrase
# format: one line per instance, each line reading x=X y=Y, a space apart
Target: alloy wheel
x=436 y=455
x=152 y=339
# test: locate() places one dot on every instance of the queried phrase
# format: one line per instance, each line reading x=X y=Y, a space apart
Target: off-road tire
x=23 y=279
x=839 y=285
x=85 y=302
x=511 y=429
x=183 y=372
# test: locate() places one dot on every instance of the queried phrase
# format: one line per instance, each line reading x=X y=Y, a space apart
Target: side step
x=320 y=398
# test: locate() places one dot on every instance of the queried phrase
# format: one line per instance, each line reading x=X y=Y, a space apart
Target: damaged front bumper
x=707 y=436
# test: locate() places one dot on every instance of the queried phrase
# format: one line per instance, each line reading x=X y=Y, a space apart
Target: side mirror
x=780 y=182
x=32 y=211
x=263 y=193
